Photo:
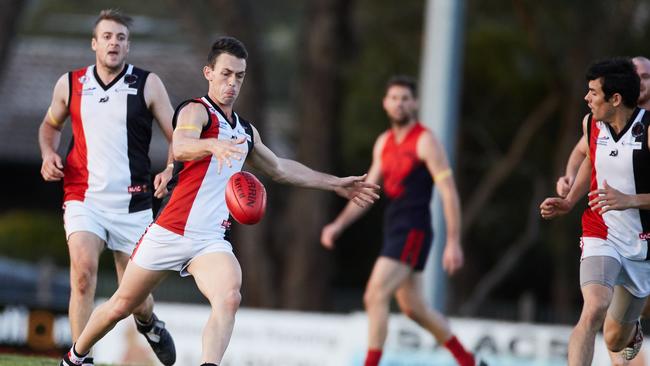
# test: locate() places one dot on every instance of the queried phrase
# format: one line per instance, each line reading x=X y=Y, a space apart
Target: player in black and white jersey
x=107 y=173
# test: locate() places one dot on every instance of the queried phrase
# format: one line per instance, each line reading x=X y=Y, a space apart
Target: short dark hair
x=617 y=75
x=229 y=45
x=405 y=81
x=115 y=15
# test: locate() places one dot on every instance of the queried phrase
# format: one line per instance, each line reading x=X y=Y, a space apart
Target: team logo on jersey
x=637 y=129
x=83 y=79
x=104 y=99
x=130 y=79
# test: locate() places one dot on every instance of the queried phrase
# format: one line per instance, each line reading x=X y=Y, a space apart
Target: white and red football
x=245 y=198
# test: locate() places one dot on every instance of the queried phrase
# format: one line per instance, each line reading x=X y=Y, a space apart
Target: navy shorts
x=409 y=245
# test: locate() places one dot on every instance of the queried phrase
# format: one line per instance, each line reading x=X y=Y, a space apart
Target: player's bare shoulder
x=61 y=91
x=154 y=90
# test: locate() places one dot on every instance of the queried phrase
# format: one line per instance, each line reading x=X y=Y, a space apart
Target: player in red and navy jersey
x=614 y=266
x=106 y=173
x=211 y=142
x=408 y=159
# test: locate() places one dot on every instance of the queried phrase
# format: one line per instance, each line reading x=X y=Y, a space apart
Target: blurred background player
x=190 y=235
x=107 y=172
x=408 y=159
x=578 y=154
x=614 y=271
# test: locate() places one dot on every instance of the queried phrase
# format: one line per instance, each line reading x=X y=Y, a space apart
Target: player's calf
x=159 y=339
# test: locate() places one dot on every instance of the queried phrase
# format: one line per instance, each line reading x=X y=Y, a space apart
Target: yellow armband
x=51 y=120
x=188 y=127
x=442 y=175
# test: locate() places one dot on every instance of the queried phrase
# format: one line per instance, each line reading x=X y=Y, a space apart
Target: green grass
x=14 y=360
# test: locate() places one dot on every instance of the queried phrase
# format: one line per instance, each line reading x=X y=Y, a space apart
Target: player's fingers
x=57 y=162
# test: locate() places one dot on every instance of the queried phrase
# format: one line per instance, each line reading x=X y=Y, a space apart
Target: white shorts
x=120 y=231
x=160 y=250
x=634 y=275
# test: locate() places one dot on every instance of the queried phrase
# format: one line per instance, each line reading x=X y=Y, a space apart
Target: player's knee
x=615 y=338
x=231 y=301
x=119 y=309
x=83 y=279
x=594 y=314
x=373 y=297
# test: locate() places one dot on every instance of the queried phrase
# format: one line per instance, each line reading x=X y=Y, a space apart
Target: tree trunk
x=307 y=269
x=10 y=11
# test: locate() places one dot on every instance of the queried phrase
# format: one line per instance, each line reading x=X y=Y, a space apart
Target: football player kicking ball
x=210 y=144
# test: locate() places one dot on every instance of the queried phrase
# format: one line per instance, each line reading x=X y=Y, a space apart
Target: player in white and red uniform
x=107 y=172
x=614 y=270
x=210 y=143
x=642 y=65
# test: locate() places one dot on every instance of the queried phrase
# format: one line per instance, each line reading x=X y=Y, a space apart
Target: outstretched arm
x=353 y=212
x=292 y=172
x=432 y=153
x=49 y=133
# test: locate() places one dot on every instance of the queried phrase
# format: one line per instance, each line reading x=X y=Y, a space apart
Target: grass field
x=11 y=360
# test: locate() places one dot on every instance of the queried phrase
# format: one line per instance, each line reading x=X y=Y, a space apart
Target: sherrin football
x=245 y=198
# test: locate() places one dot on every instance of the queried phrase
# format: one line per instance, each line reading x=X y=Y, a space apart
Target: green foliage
x=33 y=235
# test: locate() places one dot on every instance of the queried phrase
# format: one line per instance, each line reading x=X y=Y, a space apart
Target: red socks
x=463 y=357
x=373 y=357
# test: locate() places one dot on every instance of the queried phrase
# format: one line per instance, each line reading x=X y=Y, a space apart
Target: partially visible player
x=578 y=154
x=409 y=159
x=190 y=235
x=614 y=271
x=107 y=172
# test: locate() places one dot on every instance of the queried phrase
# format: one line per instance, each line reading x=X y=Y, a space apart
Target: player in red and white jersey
x=614 y=268
x=107 y=173
x=578 y=154
x=210 y=143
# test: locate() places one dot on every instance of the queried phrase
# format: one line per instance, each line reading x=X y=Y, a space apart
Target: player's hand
x=553 y=207
x=452 y=258
x=161 y=180
x=225 y=150
x=608 y=198
x=330 y=233
x=563 y=185
x=52 y=167
x=357 y=190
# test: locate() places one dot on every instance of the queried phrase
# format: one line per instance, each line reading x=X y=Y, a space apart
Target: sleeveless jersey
x=407 y=182
x=622 y=160
x=107 y=165
x=196 y=206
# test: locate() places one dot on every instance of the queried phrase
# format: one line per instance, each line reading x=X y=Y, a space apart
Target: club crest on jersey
x=130 y=79
x=637 y=129
x=83 y=79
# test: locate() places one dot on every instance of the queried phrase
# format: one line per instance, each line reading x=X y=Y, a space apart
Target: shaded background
x=314 y=85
